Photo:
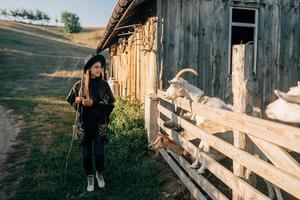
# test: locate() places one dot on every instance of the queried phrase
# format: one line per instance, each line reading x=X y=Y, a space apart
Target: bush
x=71 y=22
x=127 y=161
x=127 y=116
x=127 y=130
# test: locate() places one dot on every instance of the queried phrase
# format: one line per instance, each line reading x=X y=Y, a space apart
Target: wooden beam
x=242 y=62
x=151 y=115
x=235 y=183
x=209 y=188
x=278 y=156
x=282 y=179
x=279 y=134
x=190 y=186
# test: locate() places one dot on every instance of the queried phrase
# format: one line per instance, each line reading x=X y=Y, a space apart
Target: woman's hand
x=87 y=102
x=78 y=100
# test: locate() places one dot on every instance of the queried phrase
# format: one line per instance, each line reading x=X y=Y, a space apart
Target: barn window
x=243 y=29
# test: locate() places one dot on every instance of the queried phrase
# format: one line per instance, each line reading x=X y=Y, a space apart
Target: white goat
x=181 y=88
x=287 y=107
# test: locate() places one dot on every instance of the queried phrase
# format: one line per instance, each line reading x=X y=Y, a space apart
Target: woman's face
x=96 y=70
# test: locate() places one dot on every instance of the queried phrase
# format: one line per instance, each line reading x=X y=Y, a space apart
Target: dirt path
x=8 y=133
x=9 y=129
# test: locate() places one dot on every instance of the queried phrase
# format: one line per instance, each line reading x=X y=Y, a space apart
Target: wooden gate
x=279 y=143
x=271 y=138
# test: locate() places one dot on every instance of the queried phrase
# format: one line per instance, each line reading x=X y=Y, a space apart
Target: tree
x=39 y=14
x=71 y=22
x=3 y=12
x=46 y=17
x=42 y=16
x=14 y=13
x=30 y=15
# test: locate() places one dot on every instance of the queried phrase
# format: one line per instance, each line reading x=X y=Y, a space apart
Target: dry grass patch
x=63 y=74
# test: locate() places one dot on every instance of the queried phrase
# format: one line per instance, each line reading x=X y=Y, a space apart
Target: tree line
x=70 y=20
x=26 y=14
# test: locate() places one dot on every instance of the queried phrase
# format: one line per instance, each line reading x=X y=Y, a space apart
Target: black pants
x=92 y=144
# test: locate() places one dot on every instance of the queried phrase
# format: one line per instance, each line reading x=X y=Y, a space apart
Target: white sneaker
x=90 y=185
x=100 y=180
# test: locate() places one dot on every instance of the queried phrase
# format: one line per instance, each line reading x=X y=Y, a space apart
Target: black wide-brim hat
x=92 y=59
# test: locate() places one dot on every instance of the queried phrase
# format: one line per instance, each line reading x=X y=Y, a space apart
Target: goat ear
x=288 y=98
x=159 y=134
x=180 y=81
x=278 y=93
x=172 y=82
x=177 y=82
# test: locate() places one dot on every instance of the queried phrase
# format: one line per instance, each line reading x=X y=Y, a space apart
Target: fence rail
x=271 y=138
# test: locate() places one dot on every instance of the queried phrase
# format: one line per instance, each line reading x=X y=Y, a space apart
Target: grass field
x=38 y=65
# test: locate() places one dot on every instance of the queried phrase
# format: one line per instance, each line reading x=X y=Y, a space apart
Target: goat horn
x=181 y=72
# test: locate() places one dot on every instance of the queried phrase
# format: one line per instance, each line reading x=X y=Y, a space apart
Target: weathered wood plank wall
x=195 y=33
x=133 y=61
x=278 y=49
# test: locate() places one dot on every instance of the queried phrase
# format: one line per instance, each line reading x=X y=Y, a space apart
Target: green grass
x=46 y=133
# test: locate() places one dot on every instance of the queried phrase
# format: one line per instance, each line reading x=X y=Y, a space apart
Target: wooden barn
x=149 y=41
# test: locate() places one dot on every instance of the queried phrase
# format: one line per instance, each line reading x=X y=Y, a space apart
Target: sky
x=92 y=13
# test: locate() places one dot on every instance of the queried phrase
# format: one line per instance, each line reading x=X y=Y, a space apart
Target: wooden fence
x=271 y=138
x=279 y=143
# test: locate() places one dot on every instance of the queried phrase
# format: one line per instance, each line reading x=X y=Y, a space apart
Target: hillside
x=88 y=37
x=34 y=54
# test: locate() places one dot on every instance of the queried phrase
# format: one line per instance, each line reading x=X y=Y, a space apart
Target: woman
x=95 y=107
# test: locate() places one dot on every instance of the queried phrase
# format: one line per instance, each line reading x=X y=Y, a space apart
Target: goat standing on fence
x=181 y=88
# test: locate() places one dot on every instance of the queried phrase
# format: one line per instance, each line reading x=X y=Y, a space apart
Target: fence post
x=151 y=114
x=242 y=78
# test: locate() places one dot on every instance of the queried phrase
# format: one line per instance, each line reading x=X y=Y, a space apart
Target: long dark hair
x=104 y=74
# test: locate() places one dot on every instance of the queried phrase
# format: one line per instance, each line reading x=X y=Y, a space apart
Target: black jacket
x=103 y=103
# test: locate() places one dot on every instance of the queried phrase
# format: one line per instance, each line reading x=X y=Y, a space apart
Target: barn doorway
x=243 y=30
